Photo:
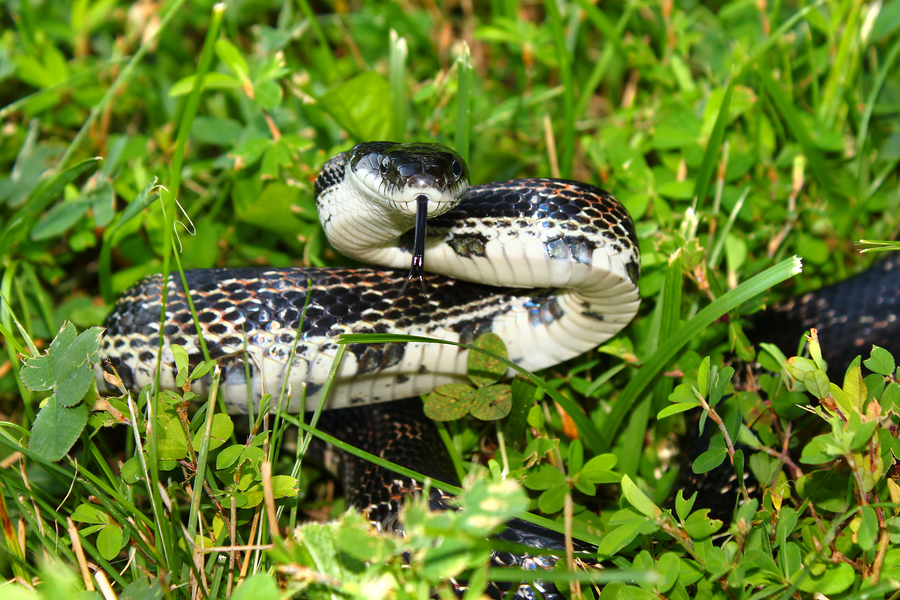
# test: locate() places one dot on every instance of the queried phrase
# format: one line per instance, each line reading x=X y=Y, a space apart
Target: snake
x=549 y=265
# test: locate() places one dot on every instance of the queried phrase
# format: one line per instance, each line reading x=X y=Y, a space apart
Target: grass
x=738 y=135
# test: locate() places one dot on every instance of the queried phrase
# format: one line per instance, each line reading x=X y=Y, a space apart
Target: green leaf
x=622 y=535
x=492 y=402
x=449 y=402
x=667 y=570
x=284 y=486
x=56 y=429
x=676 y=409
x=544 y=477
x=827 y=490
x=48 y=190
x=228 y=457
x=698 y=525
x=215 y=130
x=211 y=81
x=357 y=540
x=712 y=458
x=599 y=469
x=490 y=504
x=683 y=507
x=256 y=587
x=639 y=499
x=59 y=219
x=552 y=500
x=818 y=450
x=110 y=541
x=833 y=580
x=89 y=513
x=248 y=152
x=483 y=369
x=65 y=368
x=222 y=428
x=229 y=54
x=881 y=361
x=361 y=106
x=267 y=95
x=867 y=534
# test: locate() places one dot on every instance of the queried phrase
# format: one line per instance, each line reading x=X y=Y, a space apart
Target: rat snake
x=549 y=265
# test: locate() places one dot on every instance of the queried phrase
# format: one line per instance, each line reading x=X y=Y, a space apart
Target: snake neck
x=358 y=226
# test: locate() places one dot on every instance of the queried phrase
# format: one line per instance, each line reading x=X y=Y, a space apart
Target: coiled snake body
x=549 y=265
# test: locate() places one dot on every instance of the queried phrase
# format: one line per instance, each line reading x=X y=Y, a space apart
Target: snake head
x=398 y=176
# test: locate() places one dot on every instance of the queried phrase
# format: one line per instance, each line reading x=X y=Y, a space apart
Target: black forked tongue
x=417 y=268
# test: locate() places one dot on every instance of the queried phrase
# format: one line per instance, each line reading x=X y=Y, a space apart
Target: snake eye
x=457 y=169
x=385 y=167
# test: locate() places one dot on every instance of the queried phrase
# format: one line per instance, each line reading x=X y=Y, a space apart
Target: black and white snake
x=549 y=265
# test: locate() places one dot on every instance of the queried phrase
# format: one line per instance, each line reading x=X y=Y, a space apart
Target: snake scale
x=549 y=265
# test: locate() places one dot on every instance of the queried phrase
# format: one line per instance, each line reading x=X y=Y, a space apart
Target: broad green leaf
x=110 y=541
x=490 y=504
x=698 y=525
x=359 y=541
x=449 y=402
x=231 y=55
x=66 y=367
x=835 y=579
x=59 y=219
x=56 y=428
x=676 y=409
x=667 y=570
x=599 y=470
x=256 y=587
x=867 y=534
x=492 y=402
x=483 y=369
x=826 y=489
x=222 y=428
x=818 y=450
x=622 y=535
x=360 y=106
x=881 y=361
x=551 y=501
x=267 y=95
x=712 y=458
x=684 y=506
x=284 y=486
x=89 y=513
x=544 y=477
x=639 y=499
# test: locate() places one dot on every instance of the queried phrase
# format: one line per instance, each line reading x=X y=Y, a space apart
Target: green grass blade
x=708 y=166
x=706 y=317
x=397 y=80
x=563 y=56
x=886 y=69
x=463 y=102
